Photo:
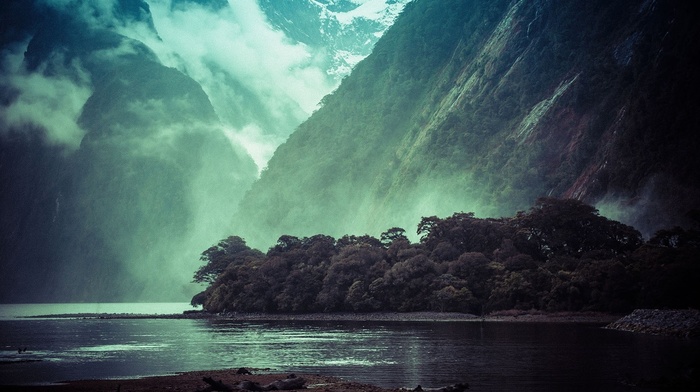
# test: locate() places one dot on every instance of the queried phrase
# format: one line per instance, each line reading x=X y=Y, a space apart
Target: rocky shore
x=680 y=323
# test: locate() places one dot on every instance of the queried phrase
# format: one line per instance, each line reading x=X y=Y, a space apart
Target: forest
x=560 y=255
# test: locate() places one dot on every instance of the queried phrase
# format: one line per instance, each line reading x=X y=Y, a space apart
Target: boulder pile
x=681 y=323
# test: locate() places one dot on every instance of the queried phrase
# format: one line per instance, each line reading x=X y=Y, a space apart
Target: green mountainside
x=484 y=106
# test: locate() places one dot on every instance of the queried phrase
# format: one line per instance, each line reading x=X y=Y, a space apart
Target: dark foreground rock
x=681 y=323
x=292 y=382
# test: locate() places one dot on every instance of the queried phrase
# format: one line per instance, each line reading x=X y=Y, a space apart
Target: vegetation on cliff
x=483 y=106
x=559 y=255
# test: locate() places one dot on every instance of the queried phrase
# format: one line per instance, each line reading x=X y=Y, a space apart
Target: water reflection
x=490 y=356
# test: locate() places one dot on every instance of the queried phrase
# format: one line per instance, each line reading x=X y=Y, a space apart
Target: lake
x=491 y=356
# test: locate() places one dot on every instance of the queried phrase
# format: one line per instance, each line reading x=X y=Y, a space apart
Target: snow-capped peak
x=376 y=10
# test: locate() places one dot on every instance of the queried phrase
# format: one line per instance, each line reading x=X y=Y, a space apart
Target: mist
x=49 y=103
x=261 y=84
x=136 y=127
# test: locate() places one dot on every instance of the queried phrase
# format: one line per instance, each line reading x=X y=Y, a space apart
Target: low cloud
x=261 y=84
x=257 y=144
x=239 y=41
x=49 y=103
x=234 y=53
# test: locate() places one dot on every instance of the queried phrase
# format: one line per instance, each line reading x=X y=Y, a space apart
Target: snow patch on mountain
x=346 y=30
x=377 y=10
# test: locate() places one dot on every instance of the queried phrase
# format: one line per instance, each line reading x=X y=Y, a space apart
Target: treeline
x=559 y=255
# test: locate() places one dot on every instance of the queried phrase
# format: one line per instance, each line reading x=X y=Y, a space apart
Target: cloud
x=259 y=146
x=51 y=103
x=234 y=54
x=261 y=84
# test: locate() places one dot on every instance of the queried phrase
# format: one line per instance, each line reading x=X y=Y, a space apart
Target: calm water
x=490 y=356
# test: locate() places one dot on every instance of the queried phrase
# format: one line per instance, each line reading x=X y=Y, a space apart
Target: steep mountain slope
x=484 y=106
x=121 y=211
x=265 y=64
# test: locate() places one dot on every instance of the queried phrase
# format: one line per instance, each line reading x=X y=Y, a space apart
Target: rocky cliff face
x=485 y=106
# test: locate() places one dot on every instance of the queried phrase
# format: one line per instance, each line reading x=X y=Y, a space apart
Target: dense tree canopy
x=228 y=251
x=559 y=255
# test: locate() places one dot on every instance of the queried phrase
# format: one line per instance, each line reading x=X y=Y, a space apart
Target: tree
x=676 y=237
x=368 y=240
x=560 y=255
x=570 y=227
x=353 y=263
x=218 y=257
x=393 y=234
x=284 y=244
x=464 y=232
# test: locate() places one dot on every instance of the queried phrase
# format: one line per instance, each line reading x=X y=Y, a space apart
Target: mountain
x=121 y=211
x=131 y=129
x=483 y=106
x=345 y=31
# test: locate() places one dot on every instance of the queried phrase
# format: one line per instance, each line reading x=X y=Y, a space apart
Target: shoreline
x=193 y=381
x=501 y=316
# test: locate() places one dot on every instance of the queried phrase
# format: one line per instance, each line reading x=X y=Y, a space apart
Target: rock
x=680 y=323
x=249 y=386
x=215 y=385
x=459 y=387
x=293 y=382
